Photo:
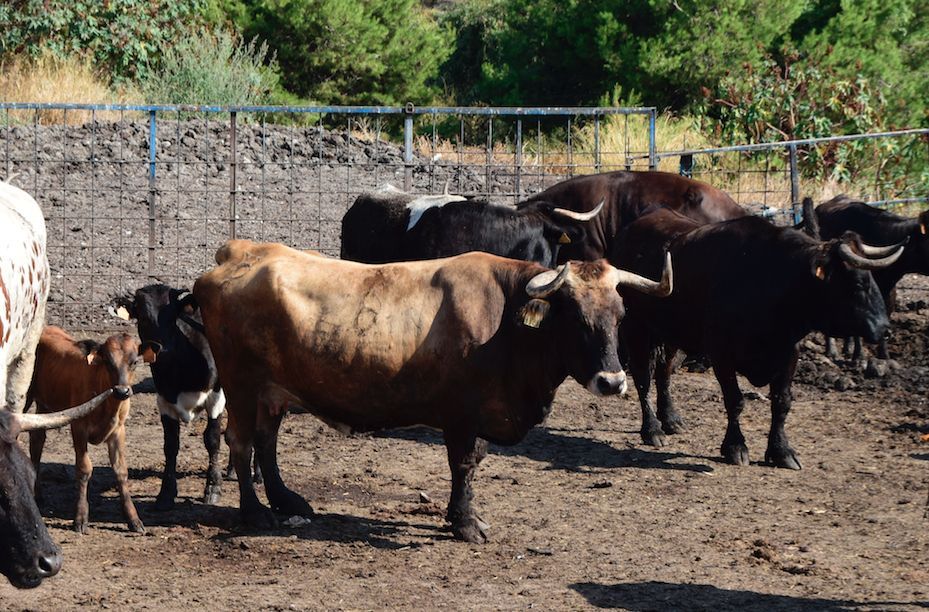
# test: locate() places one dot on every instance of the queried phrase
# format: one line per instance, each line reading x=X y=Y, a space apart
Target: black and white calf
x=186 y=382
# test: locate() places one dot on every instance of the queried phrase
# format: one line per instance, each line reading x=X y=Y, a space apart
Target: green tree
x=348 y=52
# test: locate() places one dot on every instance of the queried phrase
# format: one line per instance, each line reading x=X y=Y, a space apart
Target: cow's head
x=156 y=309
x=580 y=304
x=561 y=226
x=27 y=553
x=118 y=356
x=850 y=301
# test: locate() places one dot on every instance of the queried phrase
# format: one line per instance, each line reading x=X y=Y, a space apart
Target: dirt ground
x=582 y=516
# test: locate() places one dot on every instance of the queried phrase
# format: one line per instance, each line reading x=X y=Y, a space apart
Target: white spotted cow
x=24 y=280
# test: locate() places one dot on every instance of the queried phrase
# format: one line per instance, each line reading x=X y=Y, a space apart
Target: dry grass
x=52 y=79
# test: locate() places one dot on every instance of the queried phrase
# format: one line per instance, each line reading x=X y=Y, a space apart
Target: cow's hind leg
x=671 y=421
x=240 y=437
x=282 y=499
x=172 y=443
x=116 y=446
x=214 y=477
x=733 y=448
x=83 y=469
x=779 y=452
x=465 y=452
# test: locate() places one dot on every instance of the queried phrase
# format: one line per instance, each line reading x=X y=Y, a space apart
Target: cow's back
x=344 y=333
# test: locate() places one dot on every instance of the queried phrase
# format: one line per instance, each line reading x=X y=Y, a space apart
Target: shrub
x=213 y=68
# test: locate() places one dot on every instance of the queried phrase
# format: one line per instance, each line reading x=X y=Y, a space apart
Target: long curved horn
x=29 y=422
x=875 y=251
x=853 y=258
x=547 y=282
x=660 y=288
x=587 y=216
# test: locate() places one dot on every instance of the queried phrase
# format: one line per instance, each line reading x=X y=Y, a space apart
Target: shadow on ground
x=642 y=596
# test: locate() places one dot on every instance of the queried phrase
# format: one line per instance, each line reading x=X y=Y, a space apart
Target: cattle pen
x=136 y=193
x=584 y=516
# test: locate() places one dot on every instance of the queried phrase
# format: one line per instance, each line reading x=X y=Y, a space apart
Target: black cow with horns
x=390 y=225
x=880 y=227
x=746 y=292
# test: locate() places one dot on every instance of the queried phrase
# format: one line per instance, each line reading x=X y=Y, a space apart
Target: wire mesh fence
x=141 y=194
x=888 y=169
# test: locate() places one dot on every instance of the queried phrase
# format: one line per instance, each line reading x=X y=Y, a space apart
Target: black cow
x=880 y=227
x=27 y=553
x=390 y=225
x=746 y=292
x=186 y=381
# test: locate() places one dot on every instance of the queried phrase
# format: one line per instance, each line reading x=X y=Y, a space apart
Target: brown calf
x=68 y=372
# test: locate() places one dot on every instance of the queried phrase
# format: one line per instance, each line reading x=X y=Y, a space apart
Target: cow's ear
x=533 y=312
x=924 y=223
x=188 y=303
x=90 y=357
x=563 y=234
x=149 y=355
x=122 y=307
x=821 y=262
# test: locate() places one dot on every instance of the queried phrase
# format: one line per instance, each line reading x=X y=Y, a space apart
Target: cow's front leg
x=282 y=499
x=671 y=421
x=642 y=367
x=779 y=452
x=83 y=468
x=116 y=446
x=172 y=443
x=36 y=446
x=19 y=373
x=465 y=452
x=214 y=477
x=831 y=351
x=733 y=449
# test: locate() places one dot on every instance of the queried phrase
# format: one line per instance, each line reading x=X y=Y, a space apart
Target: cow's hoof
x=80 y=526
x=229 y=474
x=469 y=530
x=673 y=424
x=736 y=454
x=293 y=505
x=211 y=494
x=164 y=503
x=260 y=518
x=783 y=458
x=136 y=526
x=257 y=478
x=654 y=438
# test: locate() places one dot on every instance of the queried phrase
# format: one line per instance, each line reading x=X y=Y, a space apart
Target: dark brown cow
x=67 y=372
x=474 y=345
x=628 y=195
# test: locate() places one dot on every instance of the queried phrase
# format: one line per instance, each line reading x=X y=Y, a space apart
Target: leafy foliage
x=120 y=36
x=347 y=52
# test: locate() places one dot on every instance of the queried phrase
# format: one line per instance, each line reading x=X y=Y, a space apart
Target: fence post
x=652 y=158
x=408 y=147
x=233 y=136
x=519 y=159
x=597 y=143
x=794 y=184
x=152 y=149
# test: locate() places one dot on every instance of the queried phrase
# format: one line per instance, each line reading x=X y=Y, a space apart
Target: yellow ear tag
x=122 y=313
x=567 y=240
x=533 y=312
x=922 y=229
x=820 y=272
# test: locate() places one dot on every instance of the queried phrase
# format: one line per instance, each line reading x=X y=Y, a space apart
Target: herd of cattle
x=576 y=281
